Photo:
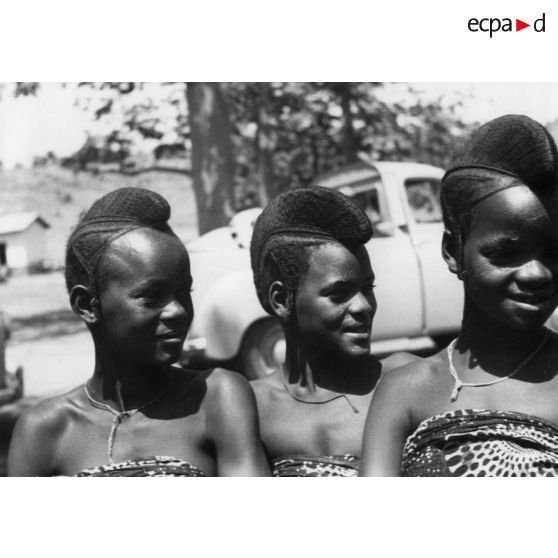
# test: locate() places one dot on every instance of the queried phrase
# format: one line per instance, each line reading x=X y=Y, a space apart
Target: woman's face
x=510 y=258
x=145 y=303
x=335 y=302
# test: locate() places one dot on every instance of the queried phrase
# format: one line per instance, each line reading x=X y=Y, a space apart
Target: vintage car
x=419 y=300
x=11 y=385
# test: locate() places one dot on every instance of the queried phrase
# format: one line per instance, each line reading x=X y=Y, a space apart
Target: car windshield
x=423 y=195
x=366 y=197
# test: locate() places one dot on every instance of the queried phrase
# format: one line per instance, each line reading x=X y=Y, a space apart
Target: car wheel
x=263 y=349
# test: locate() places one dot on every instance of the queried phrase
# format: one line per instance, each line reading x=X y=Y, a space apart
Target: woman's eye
x=150 y=295
x=369 y=288
x=502 y=255
x=338 y=296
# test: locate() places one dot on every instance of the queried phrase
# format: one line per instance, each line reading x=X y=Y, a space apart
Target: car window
x=423 y=195
x=368 y=194
x=369 y=201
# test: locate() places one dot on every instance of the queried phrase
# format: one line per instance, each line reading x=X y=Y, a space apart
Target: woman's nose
x=174 y=310
x=362 y=303
x=535 y=272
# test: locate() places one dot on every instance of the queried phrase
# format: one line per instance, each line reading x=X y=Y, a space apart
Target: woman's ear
x=84 y=304
x=449 y=251
x=279 y=299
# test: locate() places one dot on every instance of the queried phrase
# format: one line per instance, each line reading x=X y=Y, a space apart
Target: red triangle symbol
x=519 y=25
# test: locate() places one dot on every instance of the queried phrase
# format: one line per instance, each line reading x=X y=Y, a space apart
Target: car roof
x=362 y=171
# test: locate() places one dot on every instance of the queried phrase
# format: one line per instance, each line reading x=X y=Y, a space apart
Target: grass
x=60 y=195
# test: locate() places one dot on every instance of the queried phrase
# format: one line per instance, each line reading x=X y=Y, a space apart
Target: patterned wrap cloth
x=316 y=466
x=156 y=466
x=481 y=443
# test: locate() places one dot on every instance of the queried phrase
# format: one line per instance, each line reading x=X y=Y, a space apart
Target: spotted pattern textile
x=481 y=443
x=146 y=467
x=316 y=466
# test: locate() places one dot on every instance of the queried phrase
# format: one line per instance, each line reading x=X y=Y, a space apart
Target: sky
x=53 y=121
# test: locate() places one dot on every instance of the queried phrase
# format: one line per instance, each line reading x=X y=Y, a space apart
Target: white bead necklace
x=119 y=415
x=460 y=384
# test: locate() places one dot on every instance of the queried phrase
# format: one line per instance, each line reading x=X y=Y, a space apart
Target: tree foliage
x=286 y=134
x=243 y=143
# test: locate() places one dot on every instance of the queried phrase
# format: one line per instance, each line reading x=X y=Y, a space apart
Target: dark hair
x=291 y=225
x=503 y=153
x=463 y=189
x=109 y=218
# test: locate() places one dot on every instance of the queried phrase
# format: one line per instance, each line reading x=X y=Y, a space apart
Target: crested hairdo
x=110 y=217
x=294 y=221
x=503 y=153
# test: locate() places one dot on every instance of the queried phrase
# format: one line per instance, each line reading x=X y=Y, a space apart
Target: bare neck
x=314 y=372
x=495 y=346
x=125 y=385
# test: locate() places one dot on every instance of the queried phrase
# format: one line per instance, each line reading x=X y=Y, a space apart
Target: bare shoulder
x=222 y=383
x=396 y=360
x=269 y=392
x=264 y=387
x=50 y=416
x=230 y=406
x=414 y=376
x=37 y=432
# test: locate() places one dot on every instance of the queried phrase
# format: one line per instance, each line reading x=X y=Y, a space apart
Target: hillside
x=60 y=196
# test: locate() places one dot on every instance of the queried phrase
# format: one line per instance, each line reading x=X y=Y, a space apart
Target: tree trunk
x=212 y=160
x=350 y=142
x=267 y=189
x=4 y=334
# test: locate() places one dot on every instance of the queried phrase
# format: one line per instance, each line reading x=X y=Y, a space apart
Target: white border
x=291 y=40
x=353 y=40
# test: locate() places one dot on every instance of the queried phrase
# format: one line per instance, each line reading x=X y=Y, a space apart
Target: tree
x=247 y=142
x=212 y=160
x=202 y=124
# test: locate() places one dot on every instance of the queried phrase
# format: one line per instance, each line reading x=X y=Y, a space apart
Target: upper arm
x=234 y=428
x=387 y=426
x=32 y=447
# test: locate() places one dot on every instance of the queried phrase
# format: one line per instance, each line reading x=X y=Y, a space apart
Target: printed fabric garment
x=316 y=466
x=156 y=466
x=481 y=443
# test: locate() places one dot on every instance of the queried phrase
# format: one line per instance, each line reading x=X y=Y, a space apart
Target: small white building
x=22 y=240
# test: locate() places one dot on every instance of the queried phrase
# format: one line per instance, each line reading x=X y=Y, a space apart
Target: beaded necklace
x=460 y=384
x=119 y=415
x=342 y=395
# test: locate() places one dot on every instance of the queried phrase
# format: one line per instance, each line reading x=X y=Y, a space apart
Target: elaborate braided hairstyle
x=506 y=152
x=109 y=218
x=295 y=221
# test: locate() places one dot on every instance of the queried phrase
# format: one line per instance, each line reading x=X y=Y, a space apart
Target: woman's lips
x=172 y=336
x=534 y=301
x=358 y=330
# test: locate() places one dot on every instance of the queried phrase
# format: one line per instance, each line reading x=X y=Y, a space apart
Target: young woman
x=486 y=406
x=312 y=271
x=129 y=280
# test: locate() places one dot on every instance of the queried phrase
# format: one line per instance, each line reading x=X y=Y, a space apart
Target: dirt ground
x=48 y=341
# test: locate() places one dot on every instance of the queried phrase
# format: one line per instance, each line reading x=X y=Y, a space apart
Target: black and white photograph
x=302 y=240
x=288 y=279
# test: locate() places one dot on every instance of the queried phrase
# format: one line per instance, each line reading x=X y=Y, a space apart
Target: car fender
x=226 y=311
